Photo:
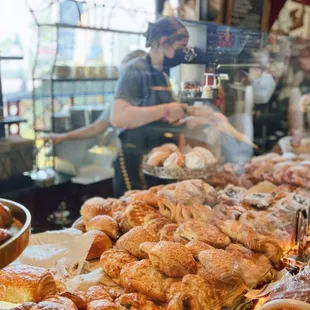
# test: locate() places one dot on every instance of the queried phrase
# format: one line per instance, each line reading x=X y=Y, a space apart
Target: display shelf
x=68 y=26
x=70 y=79
x=9 y=120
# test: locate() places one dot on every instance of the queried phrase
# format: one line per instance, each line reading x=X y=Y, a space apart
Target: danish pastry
x=145 y=279
x=113 y=260
x=221 y=265
x=204 y=292
x=137 y=211
x=207 y=233
x=131 y=241
x=173 y=259
x=183 y=301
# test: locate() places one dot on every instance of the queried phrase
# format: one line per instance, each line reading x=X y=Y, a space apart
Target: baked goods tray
x=178 y=173
x=11 y=249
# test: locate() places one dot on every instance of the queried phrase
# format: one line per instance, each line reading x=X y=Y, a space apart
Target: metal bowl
x=11 y=249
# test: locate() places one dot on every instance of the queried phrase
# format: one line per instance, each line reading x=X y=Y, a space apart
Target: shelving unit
x=59 y=33
x=12 y=119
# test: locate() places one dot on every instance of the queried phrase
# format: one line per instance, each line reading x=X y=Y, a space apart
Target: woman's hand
x=174 y=111
x=56 y=138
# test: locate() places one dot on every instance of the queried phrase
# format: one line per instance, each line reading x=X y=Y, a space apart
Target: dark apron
x=139 y=141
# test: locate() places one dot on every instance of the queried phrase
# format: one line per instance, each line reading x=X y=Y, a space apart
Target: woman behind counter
x=143 y=108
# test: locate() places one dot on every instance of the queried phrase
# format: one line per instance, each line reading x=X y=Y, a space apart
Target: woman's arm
x=88 y=131
x=125 y=115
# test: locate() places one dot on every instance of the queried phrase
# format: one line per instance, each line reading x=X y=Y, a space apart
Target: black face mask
x=178 y=58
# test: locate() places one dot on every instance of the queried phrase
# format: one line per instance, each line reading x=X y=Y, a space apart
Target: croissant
x=206 y=296
x=173 y=259
x=22 y=283
x=6 y=218
x=78 y=299
x=221 y=265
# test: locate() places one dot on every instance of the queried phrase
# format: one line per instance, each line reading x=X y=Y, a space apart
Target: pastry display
x=185 y=245
x=168 y=161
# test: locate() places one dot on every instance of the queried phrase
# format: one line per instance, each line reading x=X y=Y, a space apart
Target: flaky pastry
x=104 y=304
x=174 y=161
x=204 y=293
x=195 y=160
x=196 y=246
x=173 y=259
x=183 y=301
x=22 y=283
x=194 y=230
x=157 y=158
x=113 y=260
x=167 y=232
x=143 y=278
x=131 y=241
x=221 y=265
x=137 y=211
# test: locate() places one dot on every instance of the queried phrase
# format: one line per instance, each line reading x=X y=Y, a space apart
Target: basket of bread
x=169 y=162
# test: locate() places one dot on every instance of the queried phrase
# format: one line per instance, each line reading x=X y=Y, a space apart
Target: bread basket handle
x=290 y=304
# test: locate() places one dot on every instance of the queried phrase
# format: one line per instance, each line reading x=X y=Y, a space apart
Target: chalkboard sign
x=249 y=14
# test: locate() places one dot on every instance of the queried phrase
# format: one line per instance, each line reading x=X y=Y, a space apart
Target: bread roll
x=22 y=283
x=113 y=260
x=171 y=147
x=175 y=160
x=103 y=223
x=100 y=244
x=6 y=218
x=79 y=224
x=157 y=158
x=195 y=161
x=122 y=221
x=209 y=158
x=95 y=206
x=131 y=241
x=173 y=259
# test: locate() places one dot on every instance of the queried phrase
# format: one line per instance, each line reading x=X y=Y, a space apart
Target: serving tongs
x=221 y=125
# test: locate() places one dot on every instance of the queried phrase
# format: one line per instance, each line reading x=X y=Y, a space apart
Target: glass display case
x=211 y=199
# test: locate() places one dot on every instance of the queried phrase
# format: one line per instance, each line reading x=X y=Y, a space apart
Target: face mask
x=178 y=58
